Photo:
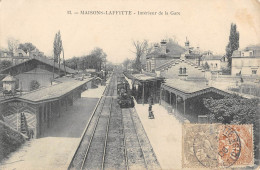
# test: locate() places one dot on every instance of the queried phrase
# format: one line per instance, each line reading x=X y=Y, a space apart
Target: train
x=125 y=99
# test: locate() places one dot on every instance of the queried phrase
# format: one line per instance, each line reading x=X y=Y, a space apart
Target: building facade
x=246 y=62
x=37 y=69
x=38 y=110
x=214 y=62
x=163 y=53
x=181 y=69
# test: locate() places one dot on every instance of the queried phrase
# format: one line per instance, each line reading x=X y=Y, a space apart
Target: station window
x=20 y=54
x=182 y=70
x=254 y=71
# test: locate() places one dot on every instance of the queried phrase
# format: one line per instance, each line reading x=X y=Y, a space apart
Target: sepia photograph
x=129 y=85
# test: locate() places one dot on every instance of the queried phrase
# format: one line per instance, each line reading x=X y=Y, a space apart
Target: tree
x=126 y=63
x=206 y=66
x=72 y=63
x=27 y=47
x=233 y=43
x=12 y=45
x=34 y=85
x=5 y=64
x=140 y=49
x=57 y=48
x=93 y=60
x=235 y=110
x=100 y=56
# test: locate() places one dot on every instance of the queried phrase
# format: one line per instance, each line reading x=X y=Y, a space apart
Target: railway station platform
x=54 y=149
x=164 y=133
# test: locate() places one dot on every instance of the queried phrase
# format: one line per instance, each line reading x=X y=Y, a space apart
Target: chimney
x=156 y=46
x=163 y=46
x=187 y=45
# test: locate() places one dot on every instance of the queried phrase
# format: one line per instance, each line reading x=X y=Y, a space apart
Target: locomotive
x=125 y=100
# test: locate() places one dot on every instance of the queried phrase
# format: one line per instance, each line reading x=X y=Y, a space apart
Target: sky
x=206 y=23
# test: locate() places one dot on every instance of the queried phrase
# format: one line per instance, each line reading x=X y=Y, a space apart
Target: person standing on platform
x=31 y=134
x=150 y=100
x=151 y=115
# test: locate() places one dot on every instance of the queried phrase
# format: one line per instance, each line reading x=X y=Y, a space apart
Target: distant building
x=215 y=62
x=9 y=83
x=39 y=69
x=168 y=51
x=163 y=53
x=192 y=54
x=246 y=62
x=36 y=53
x=19 y=55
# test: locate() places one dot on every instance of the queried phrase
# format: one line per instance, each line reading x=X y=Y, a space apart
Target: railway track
x=112 y=139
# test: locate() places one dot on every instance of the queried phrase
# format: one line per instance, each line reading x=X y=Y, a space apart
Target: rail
x=84 y=132
x=93 y=133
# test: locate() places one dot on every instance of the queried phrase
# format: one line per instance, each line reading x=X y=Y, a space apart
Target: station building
x=185 y=99
x=39 y=69
x=38 y=110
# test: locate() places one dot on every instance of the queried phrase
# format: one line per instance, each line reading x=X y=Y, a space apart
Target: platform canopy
x=189 y=89
x=145 y=78
x=32 y=63
x=51 y=93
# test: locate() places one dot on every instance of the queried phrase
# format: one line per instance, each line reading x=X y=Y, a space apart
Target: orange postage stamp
x=217 y=146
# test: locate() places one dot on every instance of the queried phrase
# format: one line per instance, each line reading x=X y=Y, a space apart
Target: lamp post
x=104 y=60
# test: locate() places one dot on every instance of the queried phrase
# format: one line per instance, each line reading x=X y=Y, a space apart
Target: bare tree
x=140 y=49
x=126 y=63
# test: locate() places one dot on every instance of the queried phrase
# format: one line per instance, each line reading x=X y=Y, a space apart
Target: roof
x=18 y=51
x=185 y=86
x=254 y=50
x=212 y=57
x=90 y=70
x=188 y=89
x=53 y=92
x=192 y=55
x=143 y=77
x=9 y=78
x=252 y=47
x=8 y=55
x=42 y=60
x=174 y=50
x=173 y=62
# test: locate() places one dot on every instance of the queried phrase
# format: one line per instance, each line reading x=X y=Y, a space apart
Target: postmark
x=217 y=146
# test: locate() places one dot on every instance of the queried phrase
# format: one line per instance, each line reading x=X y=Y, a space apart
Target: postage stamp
x=217 y=146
